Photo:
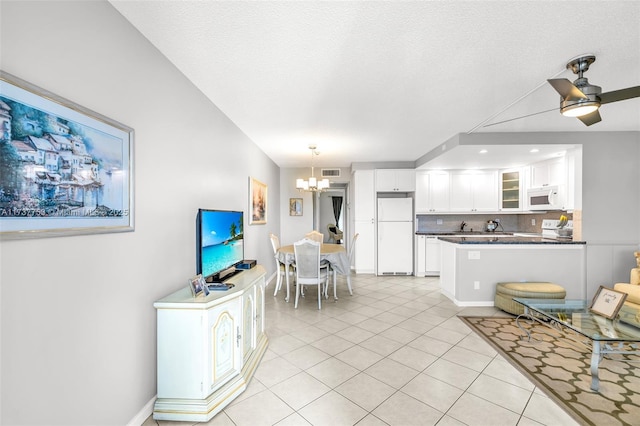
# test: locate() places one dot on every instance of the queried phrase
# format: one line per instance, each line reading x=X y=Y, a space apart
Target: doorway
x=330 y=201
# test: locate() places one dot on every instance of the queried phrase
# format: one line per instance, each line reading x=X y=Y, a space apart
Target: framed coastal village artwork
x=257 y=202
x=64 y=170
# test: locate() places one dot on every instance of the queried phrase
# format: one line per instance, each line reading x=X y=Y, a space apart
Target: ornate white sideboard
x=209 y=347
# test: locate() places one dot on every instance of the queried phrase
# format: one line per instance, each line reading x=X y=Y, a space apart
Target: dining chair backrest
x=307 y=254
x=353 y=244
x=275 y=242
x=315 y=236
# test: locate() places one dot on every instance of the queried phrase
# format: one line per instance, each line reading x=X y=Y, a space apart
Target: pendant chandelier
x=312 y=184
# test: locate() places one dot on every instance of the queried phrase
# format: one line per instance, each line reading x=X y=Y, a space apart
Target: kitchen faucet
x=462 y=225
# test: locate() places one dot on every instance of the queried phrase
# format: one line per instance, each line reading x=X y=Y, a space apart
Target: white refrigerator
x=395 y=236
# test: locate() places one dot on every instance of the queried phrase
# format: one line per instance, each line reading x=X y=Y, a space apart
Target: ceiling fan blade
x=591 y=118
x=620 y=95
x=566 y=89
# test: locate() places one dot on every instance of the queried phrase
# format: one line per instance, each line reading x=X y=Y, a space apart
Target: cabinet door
x=511 y=190
x=485 y=191
x=364 y=194
x=439 y=195
x=420 y=255
x=224 y=354
x=422 y=192
x=406 y=180
x=461 y=192
x=385 y=180
x=364 y=251
x=248 y=335
x=432 y=256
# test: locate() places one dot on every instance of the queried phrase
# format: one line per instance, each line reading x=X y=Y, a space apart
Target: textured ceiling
x=387 y=80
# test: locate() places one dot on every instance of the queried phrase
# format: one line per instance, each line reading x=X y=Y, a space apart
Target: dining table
x=334 y=254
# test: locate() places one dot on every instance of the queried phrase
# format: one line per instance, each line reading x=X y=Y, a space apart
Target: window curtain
x=337 y=208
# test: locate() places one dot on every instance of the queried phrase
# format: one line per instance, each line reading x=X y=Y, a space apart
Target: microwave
x=545 y=198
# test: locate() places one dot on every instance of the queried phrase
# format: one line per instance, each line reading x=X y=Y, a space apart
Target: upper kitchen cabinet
x=395 y=180
x=474 y=191
x=432 y=191
x=548 y=172
x=512 y=184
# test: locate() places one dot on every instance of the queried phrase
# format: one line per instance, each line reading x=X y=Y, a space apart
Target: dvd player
x=246 y=264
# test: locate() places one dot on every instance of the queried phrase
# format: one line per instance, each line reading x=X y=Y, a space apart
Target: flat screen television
x=219 y=243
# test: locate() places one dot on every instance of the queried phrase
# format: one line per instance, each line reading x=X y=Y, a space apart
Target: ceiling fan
x=581 y=99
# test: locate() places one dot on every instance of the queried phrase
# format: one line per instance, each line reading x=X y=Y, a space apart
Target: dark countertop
x=459 y=233
x=507 y=240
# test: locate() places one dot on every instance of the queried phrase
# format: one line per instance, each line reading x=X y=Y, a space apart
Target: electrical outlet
x=474 y=255
x=476 y=285
x=533 y=222
x=438 y=221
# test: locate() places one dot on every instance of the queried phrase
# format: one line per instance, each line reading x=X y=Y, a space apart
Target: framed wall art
x=66 y=170
x=295 y=206
x=257 y=202
x=607 y=302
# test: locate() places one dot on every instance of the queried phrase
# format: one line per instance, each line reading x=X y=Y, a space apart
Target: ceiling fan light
x=578 y=109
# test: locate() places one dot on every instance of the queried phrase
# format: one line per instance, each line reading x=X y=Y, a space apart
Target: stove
x=550 y=229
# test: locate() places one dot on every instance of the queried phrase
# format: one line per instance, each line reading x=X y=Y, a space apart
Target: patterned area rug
x=561 y=368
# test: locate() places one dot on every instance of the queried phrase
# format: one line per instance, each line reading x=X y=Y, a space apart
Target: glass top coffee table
x=569 y=317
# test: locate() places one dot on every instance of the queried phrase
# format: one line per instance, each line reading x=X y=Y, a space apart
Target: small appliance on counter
x=492 y=225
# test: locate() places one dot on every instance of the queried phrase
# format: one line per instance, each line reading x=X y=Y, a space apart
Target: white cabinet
x=432 y=256
x=208 y=347
x=471 y=192
x=364 y=221
x=511 y=190
x=548 y=172
x=432 y=191
x=421 y=245
x=427 y=256
x=395 y=180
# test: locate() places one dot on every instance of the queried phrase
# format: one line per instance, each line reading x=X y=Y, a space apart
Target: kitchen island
x=471 y=266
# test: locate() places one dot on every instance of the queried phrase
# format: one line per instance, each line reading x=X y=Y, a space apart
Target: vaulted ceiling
x=390 y=80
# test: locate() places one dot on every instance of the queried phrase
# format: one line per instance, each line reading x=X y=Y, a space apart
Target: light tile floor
x=394 y=353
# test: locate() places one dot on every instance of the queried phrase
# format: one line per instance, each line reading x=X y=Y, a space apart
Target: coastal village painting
x=57 y=168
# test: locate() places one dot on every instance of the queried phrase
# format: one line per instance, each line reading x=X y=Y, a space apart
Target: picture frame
x=607 y=302
x=295 y=206
x=257 y=202
x=70 y=169
x=198 y=285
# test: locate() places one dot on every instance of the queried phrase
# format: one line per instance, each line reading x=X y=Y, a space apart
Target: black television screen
x=219 y=242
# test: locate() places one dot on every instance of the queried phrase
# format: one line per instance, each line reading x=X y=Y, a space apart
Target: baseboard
x=143 y=414
x=271 y=278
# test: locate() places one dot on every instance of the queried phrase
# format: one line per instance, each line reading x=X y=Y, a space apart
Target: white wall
x=78 y=327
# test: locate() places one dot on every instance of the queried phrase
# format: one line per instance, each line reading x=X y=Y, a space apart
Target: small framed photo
x=295 y=206
x=607 y=302
x=198 y=286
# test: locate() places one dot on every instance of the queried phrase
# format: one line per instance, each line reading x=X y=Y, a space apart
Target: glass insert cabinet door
x=510 y=193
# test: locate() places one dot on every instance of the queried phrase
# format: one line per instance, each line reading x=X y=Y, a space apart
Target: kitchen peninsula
x=472 y=266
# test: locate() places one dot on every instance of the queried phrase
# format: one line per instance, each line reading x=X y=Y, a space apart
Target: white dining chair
x=348 y=275
x=315 y=236
x=308 y=271
x=281 y=269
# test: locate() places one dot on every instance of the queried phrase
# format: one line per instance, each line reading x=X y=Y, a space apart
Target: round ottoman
x=505 y=292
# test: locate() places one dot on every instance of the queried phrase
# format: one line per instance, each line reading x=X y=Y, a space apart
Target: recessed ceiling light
x=483 y=151
x=534 y=150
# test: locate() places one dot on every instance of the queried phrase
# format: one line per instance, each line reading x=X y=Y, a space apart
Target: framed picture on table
x=607 y=302
x=198 y=285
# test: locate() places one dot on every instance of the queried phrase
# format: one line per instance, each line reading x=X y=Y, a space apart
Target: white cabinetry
x=471 y=192
x=364 y=223
x=427 y=255
x=511 y=190
x=549 y=172
x=395 y=180
x=432 y=191
x=208 y=347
